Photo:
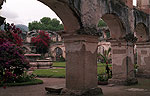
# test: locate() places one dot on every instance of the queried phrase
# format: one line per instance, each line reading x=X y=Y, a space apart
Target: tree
x=106 y=57
x=46 y=23
x=102 y=23
x=12 y=60
x=41 y=41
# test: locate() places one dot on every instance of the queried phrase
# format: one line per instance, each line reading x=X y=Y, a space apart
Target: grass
x=32 y=82
x=63 y=64
x=60 y=73
x=59 y=64
x=53 y=73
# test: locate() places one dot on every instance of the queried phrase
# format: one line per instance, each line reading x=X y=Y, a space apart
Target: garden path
x=39 y=90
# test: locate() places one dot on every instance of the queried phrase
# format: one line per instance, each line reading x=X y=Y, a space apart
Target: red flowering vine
x=41 y=41
x=12 y=60
x=12 y=34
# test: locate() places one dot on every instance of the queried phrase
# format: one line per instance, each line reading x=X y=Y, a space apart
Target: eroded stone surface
x=143 y=60
x=54 y=89
x=136 y=90
x=81 y=65
x=88 y=92
x=122 y=64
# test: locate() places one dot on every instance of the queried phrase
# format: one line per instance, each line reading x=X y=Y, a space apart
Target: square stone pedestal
x=143 y=59
x=81 y=65
x=122 y=63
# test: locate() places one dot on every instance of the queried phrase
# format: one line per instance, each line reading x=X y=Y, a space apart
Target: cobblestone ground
x=39 y=90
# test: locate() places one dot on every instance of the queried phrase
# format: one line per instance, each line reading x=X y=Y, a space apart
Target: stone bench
x=54 y=89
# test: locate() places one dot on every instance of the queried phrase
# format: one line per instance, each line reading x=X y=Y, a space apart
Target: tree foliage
x=46 y=23
x=41 y=41
x=106 y=56
x=102 y=23
x=12 y=60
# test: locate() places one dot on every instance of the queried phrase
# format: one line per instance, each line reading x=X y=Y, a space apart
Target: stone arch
x=26 y=49
x=66 y=13
x=141 y=32
x=115 y=24
x=65 y=10
x=58 y=52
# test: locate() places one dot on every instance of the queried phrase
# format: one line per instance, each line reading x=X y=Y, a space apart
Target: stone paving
x=39 y=90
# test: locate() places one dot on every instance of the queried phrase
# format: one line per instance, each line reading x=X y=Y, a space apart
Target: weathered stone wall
x=122 y=63
x=80 y=19
x=143 y=56
x=59 y=45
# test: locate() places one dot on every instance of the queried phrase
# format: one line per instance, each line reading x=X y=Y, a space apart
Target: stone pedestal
x=143 y=59
x=122 y=63
x=81 y=63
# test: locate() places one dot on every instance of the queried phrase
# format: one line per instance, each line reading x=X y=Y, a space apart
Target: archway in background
x=115 y=25
x=118 y=48
x=141 y=32
x=58 y=53
x=142 y=50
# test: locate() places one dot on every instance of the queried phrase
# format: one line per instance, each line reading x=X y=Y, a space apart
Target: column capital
x=143 y=45
x=80 y=38
x=120 y=43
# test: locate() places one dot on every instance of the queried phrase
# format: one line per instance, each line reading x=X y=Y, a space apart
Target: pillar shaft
x=81 y=63
x=122 y=63
x=143 y=59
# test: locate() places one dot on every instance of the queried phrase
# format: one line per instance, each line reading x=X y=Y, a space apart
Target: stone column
x=122 y=63
x=81 y=64
x=143 y=59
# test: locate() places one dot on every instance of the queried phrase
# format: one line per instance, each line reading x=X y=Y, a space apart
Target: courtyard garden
x=59 y=71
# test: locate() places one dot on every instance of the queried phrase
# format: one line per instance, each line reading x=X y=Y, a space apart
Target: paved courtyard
x=39 y=90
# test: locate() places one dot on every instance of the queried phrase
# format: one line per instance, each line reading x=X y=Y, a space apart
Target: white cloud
x=25 y=11
x=9 y=14
x=134 y=2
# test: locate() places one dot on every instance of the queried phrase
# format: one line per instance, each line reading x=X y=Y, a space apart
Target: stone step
x=54 y=89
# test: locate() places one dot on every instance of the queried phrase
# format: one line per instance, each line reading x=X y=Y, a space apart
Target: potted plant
x=102 y=79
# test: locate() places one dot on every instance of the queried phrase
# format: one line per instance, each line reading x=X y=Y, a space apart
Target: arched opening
x=115 y=25
x=142 y=49
x=58 y=54
x=66 y=14
x=113 y=30
x=61 y=9
x=141 y=32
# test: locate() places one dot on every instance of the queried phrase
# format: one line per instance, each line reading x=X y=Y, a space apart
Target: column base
x=126 y=82
x=89 y=92
x=143 y=75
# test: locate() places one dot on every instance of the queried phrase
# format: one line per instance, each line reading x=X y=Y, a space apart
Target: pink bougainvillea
x=41 y=41
x=12 y=60
x=12 y=34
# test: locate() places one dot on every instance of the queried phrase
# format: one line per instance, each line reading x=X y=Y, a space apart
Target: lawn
x=60 y=73
x=53 y=73
x=63 y=64
x=59 y=64
x=32 y=82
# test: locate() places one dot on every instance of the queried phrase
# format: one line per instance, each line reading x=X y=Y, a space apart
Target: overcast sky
x=25 y=11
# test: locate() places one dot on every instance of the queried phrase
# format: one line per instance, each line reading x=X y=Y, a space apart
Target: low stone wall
x=41 y=64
